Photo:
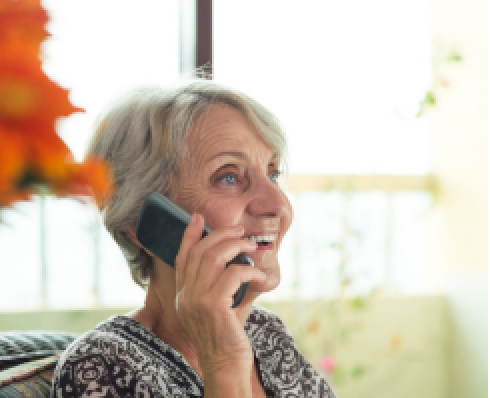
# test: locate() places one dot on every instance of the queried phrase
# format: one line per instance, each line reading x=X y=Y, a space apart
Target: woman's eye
x=229 y=179
x=274 y=175
x=234 y=179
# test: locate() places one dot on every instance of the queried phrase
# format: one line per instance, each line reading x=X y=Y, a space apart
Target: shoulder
x=285 y=371
x=100 y=341
x=267 y=331
x=121 y=358
x=261 y=319
x=91 y=364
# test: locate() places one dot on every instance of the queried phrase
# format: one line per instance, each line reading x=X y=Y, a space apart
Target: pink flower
x=327 y=363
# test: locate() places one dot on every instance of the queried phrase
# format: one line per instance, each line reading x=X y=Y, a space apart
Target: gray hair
x=144 y=139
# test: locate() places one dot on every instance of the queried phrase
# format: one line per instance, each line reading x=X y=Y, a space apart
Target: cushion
x=37 y=385
x=16 y=347
x=27 y=369
x=28 y=360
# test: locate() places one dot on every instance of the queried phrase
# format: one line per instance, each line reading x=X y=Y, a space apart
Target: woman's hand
x=205 y=295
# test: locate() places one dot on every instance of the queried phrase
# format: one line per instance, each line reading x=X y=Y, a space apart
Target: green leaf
x=358 y=303
x=358 y=371
x=430 y=98
x=455 y=57
x=336 y=245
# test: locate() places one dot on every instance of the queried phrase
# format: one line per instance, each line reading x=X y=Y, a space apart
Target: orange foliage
x=32 y=155
x=22 y=30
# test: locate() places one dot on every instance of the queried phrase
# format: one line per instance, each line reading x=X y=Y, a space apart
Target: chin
x=272 y=281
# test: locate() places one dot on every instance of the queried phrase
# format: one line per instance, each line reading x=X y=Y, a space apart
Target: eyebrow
x=236 y=154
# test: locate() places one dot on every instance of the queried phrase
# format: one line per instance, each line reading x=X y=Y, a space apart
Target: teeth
x=262 y=238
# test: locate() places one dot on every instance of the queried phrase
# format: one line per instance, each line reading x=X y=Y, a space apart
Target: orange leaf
x=313 y=326
x=31 y=153
x=396 y=342
x=50 y=157
x=9 y=197
x=91 y=178
x=13 y=159
x=28 y=97
x=22 y=29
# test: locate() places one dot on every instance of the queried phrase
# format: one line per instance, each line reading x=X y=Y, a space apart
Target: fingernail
x=193 y=219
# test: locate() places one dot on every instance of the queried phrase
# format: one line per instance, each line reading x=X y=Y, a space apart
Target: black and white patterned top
x=122 y=358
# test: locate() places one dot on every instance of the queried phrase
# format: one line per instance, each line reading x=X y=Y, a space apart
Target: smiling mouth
x=263 y=240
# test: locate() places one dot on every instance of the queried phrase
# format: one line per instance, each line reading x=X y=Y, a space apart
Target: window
x=99 y=50
x=345 y=79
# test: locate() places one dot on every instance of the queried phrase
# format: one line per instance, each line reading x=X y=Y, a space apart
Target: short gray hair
x=144 y=139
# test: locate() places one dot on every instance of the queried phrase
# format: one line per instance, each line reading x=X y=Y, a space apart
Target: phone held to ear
x=160 y=228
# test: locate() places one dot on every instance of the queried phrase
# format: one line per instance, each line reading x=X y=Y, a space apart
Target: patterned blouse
x=122 y=358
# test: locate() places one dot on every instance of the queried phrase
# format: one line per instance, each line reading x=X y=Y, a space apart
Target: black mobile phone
x=161 y=225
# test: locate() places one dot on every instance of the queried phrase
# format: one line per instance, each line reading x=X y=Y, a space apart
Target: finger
x=194 y=255
x=231 y=279
x=192 y=235
x=215 y=258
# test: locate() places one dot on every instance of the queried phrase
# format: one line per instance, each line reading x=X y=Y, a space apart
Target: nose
x=268 y=200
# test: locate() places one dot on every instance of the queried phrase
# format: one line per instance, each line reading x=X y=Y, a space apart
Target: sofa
x=28 y=360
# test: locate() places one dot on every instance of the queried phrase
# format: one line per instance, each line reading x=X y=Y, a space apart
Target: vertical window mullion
x=204 y=37
x=196 y=37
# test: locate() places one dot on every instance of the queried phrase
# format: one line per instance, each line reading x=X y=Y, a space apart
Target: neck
x=159 y=315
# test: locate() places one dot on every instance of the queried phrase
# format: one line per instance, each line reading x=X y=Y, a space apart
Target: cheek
x=217 y=211
x=222 y=213
x=190 y=199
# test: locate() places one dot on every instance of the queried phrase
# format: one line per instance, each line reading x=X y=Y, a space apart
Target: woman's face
x=230 y=178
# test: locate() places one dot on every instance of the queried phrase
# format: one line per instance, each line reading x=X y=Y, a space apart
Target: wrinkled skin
x=229 y=183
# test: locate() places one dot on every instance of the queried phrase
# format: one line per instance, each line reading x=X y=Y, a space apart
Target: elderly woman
x=217 y=154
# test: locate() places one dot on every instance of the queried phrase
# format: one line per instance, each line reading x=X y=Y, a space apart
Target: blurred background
x=384 y=271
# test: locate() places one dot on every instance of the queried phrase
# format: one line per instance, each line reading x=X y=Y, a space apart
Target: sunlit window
x=99 y=50
x=344 y=78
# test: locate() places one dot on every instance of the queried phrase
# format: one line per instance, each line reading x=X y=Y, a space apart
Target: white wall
x=460 y=163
